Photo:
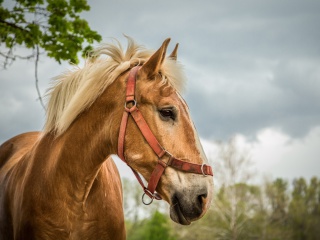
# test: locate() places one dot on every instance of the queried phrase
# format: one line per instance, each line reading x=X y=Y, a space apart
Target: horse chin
x=176 y=214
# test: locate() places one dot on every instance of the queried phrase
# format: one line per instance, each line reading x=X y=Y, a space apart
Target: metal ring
x=134 y=102
x=143 y=201
x=202 y=169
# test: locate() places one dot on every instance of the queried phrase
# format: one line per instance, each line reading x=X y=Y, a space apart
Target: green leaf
x=61 y=33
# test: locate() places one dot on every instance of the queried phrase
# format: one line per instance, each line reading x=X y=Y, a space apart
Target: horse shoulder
x=17 y=146
x=11 y=153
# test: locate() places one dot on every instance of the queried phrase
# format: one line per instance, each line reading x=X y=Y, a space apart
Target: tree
x=234 y=217
x=232 y=165
x=304 y=209
x=235 y=198
x=154 y=228
x=52 y=26
x=278 y=201
x=158 y=228
x=277 y=194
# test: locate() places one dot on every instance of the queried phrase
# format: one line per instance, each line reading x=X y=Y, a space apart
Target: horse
x=62 y=183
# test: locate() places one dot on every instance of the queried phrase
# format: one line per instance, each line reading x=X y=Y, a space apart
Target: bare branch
x=9 y=57
x=36 y=77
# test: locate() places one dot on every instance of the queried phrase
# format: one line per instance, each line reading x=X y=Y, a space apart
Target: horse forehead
x=164 y=93
x=158 y=92
x=175 y=99
x=166 y=90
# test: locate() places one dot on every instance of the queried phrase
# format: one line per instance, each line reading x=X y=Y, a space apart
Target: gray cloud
x=250 y=64
x=283 y=95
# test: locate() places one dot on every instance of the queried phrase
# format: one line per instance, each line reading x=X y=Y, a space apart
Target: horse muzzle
x=189 y=205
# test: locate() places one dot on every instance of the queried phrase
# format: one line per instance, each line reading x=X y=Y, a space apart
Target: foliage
x=278 y=200
x=155 y=228
x=269 y=212
x=304 y=209
x=52 y=25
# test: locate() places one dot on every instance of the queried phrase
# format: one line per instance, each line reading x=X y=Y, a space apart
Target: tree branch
x=9 y=57
x=36 y=77
x=13 y=57
x=14 y=26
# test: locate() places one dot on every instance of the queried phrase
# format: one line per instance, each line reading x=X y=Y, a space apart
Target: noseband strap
x=131 y=108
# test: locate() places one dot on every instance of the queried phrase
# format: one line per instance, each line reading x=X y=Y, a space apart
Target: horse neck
x=80 y=151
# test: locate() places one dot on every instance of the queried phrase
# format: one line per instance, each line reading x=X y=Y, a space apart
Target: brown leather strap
x=155 y=176
x=146 y=132
x=190 y=167
x=130 y=97
x=131 y=84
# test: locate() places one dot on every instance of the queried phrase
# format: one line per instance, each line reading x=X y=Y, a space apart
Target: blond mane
x=75 y=90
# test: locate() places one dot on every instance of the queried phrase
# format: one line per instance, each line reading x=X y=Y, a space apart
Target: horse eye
x=167 y=113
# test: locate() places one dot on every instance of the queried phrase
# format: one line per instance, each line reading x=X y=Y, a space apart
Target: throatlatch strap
x=122 y=134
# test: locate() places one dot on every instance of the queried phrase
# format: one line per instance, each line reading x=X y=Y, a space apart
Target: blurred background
x=253 y=91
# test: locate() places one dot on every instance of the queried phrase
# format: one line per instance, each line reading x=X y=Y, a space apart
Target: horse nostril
x=201 y=199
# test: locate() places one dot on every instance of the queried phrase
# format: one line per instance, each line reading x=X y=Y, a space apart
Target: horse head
x=166 y=114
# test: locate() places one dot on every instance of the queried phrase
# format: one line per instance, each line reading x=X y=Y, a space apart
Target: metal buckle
x=167 y=152
x=168 y=163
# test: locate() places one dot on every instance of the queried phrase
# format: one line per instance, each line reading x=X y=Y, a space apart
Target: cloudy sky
x=253 y=72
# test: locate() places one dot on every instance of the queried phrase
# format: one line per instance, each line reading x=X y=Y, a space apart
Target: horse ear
x=174 y=53
x=153 y=65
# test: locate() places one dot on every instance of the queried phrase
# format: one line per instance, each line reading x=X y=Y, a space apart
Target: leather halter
x=153 y=143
